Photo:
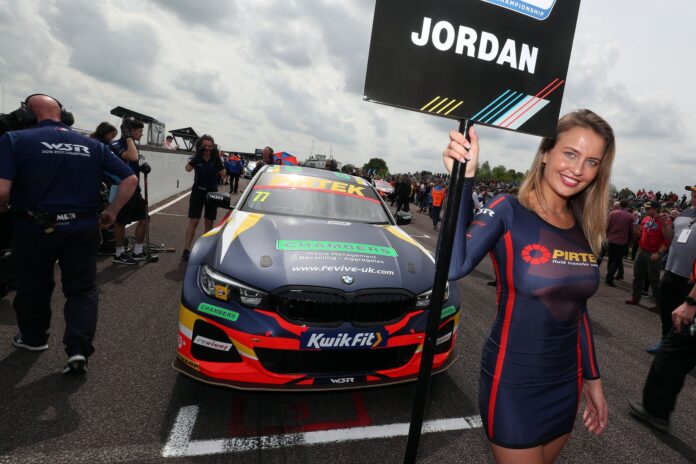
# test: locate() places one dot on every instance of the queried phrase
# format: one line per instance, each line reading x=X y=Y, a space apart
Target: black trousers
x=234 y=183
x=669 y=368
x=615 y=266
x=673 y=291
x=402 y=204
x=435 y=214
x=34 y=254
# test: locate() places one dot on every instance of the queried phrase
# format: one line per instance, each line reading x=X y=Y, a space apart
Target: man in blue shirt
x=55 y=219
x=135 y=209
x=234 y=166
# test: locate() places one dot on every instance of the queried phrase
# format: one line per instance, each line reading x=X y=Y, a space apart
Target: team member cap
x=654 y=204
x=690 y=188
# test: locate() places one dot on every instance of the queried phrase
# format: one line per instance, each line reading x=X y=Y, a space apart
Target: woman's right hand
x=461 y=150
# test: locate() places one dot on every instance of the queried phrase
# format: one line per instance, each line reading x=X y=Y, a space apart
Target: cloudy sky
x=290 y=74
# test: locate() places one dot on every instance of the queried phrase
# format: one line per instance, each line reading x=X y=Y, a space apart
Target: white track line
x=180 y=443
x=155 y=211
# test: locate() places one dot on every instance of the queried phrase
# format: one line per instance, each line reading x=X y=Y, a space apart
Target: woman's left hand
x=596 y=415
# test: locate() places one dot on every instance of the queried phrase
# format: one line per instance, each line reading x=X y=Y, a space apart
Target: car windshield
x=344 y=198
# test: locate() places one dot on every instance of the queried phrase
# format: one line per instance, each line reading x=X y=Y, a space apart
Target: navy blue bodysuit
x=540 y=346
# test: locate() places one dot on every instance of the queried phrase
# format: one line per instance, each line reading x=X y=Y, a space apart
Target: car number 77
x=261 y=196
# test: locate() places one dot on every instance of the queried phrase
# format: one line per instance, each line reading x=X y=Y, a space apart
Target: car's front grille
x=339 y=362
x=333 y=307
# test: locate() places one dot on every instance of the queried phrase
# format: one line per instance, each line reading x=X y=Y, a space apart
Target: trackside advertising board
x=500 y=63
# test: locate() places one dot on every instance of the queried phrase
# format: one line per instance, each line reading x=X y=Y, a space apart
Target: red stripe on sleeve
x=497 y=278
x=589 y=345
x=579 y=373
x=509 y=306
x=492 y=205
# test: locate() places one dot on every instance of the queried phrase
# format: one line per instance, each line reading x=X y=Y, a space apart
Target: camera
x=10 y=122
x=145 y=168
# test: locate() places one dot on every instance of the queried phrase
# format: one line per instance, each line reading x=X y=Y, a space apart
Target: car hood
x=270 y=251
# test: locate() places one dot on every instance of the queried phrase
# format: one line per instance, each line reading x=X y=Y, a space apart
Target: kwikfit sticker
x=341 y=340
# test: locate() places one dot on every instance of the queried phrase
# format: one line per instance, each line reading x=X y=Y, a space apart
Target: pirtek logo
x=539 y=254
x=66 y=147
x=344 y=340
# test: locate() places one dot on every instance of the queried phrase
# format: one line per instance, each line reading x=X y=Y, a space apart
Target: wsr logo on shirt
x=65 y=148
x=537 y=9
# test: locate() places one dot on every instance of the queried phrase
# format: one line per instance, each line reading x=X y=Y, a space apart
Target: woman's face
x=573 y=163
x=110 y=136
x=207 y=147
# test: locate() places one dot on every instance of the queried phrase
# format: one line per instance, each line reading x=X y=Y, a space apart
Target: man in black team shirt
x=55 y=210
x=134 y=210
x=207 y=166
x=267 y=160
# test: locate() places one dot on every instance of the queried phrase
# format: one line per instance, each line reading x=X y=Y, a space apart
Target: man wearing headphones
x=135 y=209
x=55 y=219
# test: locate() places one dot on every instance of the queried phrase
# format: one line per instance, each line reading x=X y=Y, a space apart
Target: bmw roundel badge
x=347 y=280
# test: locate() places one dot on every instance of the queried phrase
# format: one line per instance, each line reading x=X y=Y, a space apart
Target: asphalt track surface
x=133 y=407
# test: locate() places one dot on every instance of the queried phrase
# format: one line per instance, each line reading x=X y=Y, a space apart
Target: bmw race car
x=309 y=283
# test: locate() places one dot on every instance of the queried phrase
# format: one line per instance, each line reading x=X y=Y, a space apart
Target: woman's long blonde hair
x=591 y=205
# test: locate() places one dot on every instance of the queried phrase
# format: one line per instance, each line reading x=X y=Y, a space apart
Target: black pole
x=443 y=257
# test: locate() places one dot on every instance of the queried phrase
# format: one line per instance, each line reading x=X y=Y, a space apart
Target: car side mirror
x=219 y=200
x=403 y=218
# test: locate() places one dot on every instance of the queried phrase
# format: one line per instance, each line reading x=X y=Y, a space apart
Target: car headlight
x=224 y=288
x=424 y=298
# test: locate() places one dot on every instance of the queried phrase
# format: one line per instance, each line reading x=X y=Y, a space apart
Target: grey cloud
x=630 y=114
x=199 y=12
x=380 y=125
x=294 y=109
x=206 y=85
x=346 y=34
x=121 y=55
x=291 y=33
x=22 y=61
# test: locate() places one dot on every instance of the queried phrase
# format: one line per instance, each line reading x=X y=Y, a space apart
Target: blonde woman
x=539 y=359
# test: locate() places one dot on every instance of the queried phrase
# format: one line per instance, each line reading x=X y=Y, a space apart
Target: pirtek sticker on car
x=341 y=340
x=317 y=245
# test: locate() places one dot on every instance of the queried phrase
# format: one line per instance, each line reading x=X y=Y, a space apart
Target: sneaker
x=619 y=278
x=639 y=412
x=77 y=364
x=185 y=255
x=17 y=342
x=631 y=301
x=654 y=348
x=139 y=256
x=123 y=258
